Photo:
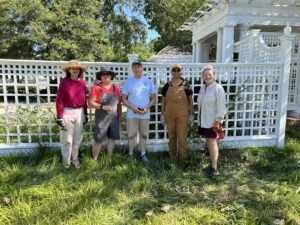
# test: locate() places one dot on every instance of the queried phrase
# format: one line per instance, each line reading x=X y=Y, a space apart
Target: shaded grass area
x=255 y=186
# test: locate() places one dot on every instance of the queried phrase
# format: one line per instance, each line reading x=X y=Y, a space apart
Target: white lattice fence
x=28 y=90
x=266 y=48
x=271 y=39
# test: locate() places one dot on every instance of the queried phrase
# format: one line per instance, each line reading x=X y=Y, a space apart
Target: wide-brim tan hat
x=74 y=64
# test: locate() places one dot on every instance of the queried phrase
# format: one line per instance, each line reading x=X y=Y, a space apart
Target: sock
x=143 y=153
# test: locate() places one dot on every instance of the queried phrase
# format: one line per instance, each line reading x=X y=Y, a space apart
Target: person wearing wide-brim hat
x=105 y=98
x=71 y=108
x=176 y=110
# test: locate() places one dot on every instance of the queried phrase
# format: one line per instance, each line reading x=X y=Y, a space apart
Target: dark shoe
x=211 y=172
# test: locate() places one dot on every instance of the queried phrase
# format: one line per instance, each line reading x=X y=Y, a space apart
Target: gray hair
x=208 y=67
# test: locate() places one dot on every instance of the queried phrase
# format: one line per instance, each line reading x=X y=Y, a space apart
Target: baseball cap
x=136 y=62
x=176 y=66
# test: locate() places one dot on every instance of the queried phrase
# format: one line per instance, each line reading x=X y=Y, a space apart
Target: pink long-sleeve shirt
x=72 y=94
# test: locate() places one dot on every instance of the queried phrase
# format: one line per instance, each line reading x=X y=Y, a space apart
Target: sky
x=152 y=33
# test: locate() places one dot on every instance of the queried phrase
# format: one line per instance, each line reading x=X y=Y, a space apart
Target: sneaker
x=144 y=159
x=66 y=166
x=130 y=156
x=76 y=164
x=211 y=172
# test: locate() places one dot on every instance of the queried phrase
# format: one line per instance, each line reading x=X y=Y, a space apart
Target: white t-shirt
x=138 y=91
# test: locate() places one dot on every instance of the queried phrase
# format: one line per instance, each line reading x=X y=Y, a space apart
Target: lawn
x=255 y=186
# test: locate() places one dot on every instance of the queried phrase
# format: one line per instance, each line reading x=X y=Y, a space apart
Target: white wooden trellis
x=28 y=118
x=265 y=47
x=257 y=96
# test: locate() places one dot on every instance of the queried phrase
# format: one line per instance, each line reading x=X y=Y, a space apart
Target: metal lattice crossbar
x=28 y=91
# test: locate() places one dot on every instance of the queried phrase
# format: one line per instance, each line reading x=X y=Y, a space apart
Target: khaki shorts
x=137 y=125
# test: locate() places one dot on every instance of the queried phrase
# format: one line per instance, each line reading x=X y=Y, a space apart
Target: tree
x=166 y=16
x=69 y=29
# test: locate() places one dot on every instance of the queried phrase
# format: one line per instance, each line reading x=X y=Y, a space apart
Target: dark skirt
x=206 y=132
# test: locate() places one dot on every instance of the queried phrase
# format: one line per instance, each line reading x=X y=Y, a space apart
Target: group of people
x=138 y=95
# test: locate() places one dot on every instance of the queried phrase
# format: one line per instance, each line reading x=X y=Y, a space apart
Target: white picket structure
x=256 y=97
x=265 y=47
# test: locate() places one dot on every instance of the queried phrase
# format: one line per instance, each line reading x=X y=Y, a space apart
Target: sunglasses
x=105 y=74
x=176 y=70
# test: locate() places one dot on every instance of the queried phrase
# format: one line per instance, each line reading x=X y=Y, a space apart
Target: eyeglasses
x=176 y=70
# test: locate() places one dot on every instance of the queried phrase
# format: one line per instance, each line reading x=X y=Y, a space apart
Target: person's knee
x=131 y=137
x=144 y=136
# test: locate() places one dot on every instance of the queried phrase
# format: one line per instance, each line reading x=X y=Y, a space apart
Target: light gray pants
x=70 y=136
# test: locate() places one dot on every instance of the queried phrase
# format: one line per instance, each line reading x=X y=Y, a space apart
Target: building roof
x=171 y=53
x=278 y=8
x=173 y=50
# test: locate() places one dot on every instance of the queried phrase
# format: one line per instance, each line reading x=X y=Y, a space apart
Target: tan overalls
x=177 y=116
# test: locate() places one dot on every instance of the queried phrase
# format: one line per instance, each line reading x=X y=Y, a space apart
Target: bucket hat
x=105 y=70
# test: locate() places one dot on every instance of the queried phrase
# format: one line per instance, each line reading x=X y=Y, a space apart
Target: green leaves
x=68 y=29
x=166 y=16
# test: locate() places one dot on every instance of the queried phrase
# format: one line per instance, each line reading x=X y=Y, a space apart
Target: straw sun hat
x=74 y=64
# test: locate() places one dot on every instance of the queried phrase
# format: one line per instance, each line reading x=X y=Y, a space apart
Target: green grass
x=256 y=186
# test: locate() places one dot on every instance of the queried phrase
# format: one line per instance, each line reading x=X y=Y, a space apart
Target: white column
x=194 y=52
x=131 y=58
x=227 y=45
x=199 y=47
x=244 y=30
x=219 y=45
x=286 y=50
x=206 y=53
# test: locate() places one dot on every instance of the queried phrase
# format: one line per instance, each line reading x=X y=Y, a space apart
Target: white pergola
x=224 y=22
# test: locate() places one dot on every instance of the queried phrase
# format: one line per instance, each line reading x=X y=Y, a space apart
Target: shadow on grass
x=256 y=186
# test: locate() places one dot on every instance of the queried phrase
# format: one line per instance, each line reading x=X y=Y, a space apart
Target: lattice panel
x=267 y=49
x=27 y=99
x=252 y=97
x=244 y=50
x=272 y=39
x=28 y=90
x=264 y=54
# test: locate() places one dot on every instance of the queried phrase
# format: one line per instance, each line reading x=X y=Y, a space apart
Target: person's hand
x=163 y=119
x=143 y=110
x=138 y=110
x=107 y=108
x=85 y=119
x=60 y=123
x=216 y=126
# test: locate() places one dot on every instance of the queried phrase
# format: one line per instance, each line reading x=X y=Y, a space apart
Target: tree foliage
x=166 y=16
x=68 y=29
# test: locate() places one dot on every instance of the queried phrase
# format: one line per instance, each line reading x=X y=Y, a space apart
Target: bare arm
x=151 y=103
x=93 y=104
x=92 y=101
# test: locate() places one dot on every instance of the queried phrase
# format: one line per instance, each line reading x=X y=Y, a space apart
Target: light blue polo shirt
x=138 y=91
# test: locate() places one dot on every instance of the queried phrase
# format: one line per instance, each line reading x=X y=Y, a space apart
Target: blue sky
x=151 y=32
